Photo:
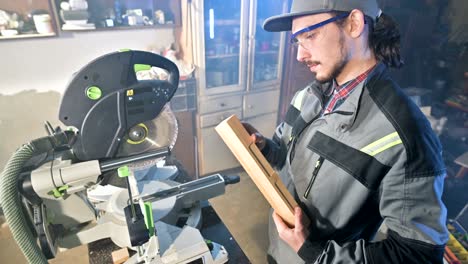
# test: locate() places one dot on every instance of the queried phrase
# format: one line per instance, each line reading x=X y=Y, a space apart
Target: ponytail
x=384 y=40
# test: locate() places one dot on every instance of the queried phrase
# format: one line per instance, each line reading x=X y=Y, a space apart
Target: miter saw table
x=212 y=229
x=106 y=175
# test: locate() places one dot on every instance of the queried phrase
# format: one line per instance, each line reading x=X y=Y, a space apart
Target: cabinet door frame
x=198 y=33
x=251 y=51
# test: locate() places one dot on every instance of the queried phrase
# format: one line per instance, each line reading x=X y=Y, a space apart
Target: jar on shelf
x=43 y=24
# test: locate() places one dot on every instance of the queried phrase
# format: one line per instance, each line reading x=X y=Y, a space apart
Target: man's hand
x=255 y=135
x=294 y=237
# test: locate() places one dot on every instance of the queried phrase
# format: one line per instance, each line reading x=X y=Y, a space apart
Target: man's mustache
x=311 y=63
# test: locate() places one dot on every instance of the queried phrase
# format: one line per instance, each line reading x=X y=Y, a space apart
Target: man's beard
x=337 y=67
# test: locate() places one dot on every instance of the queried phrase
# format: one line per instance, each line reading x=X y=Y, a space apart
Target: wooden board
x=255 y=164
x=120 y=256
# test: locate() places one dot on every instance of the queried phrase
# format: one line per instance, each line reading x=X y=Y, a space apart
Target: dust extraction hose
x=10 y=197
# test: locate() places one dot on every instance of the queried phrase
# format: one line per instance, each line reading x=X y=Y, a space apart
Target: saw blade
x=150 y=135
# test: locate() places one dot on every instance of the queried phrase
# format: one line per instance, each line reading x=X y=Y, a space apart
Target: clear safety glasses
x=306 y=37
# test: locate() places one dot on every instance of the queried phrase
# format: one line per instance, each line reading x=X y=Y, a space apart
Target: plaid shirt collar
x=340 y=93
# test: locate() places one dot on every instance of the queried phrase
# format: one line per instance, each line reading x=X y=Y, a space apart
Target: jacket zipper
x=314 y=175
x=293 y=140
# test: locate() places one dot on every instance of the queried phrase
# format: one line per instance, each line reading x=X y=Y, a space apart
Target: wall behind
x=34 y=73
x=47 y=64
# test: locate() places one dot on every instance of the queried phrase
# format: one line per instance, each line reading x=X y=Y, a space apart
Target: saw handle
x=143 y=57
x=112 y=164
x=233 y=179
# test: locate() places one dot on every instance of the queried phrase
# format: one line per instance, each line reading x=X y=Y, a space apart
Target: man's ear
x=356 y=23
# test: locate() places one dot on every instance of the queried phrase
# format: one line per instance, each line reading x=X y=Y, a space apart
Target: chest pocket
x=361 y=166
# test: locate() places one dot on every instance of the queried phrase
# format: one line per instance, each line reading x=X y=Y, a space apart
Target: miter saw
x=106 y=175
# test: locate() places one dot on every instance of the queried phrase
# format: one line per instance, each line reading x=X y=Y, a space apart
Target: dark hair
x=384 y=39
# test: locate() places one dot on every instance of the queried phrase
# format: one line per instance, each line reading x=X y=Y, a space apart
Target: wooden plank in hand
x=257 y=167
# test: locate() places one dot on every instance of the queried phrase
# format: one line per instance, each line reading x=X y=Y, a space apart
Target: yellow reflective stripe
x=369 y=147
x=382 y=144
x=298 y=100
x=389 y=145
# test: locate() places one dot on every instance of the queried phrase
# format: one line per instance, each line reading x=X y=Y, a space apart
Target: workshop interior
x=108 y=111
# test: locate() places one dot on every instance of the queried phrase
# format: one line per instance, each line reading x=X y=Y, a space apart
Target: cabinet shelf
x=121 y=28
x=224 y=22
x=21 y=36
x=34 y=18
x=122 y=14
x=224 y=56
x=269 y=52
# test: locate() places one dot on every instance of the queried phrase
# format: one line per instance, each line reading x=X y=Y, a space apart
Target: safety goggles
x=309 y=37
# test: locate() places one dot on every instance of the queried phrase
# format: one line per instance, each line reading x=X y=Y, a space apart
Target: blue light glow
x=211 y=23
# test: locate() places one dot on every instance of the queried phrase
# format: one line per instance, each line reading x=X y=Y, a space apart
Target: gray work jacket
x=373 y=159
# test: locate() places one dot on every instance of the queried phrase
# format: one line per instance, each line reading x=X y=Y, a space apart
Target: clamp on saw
x=107 y=175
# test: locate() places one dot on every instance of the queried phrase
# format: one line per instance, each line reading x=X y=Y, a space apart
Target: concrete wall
x=34 y=73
